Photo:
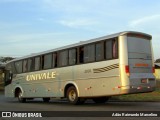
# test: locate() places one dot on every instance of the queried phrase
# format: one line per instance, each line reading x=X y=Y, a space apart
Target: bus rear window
x=139 y=45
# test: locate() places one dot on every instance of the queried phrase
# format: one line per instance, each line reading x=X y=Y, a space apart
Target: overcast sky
x=31 y=26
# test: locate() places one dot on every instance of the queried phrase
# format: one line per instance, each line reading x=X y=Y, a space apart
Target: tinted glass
x=47 y=61
x=89 y=53
x=63 y=58
x=18 y=66
x=72 y=57
x=99 y=51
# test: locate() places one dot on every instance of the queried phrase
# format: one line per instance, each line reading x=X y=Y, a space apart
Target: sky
x=31 y=26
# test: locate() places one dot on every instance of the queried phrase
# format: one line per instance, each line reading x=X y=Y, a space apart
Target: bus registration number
x=143 y=80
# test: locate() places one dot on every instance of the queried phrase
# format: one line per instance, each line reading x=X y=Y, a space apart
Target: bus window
x=63 y=58
x=72 y=57
x=47 y=61
x=30 y=64
x=37 y=63
x=108 y=49
x=24 y=65
x=115 y=48
x=54 y=60
x=89 y=53
x=81 y=54
x=18 y=66
x=99 y=51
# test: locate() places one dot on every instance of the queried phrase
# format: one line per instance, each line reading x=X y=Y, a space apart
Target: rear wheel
x=46 y=99
x=100 y=99
x=20 y=97
x=72 y=96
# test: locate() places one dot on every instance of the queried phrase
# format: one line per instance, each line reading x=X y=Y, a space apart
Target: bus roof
x=82 y=43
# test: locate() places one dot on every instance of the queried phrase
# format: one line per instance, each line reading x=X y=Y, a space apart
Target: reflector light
x=127 y=68
x=139 y=88
x=153 y=69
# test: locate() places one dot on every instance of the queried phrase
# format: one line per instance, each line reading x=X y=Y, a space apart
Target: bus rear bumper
x=136 y=89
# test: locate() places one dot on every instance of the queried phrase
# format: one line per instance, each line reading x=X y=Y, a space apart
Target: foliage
x=5 y=59
x=157 y=61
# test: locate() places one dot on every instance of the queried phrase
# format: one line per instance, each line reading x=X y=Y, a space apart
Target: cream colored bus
x=116 y=64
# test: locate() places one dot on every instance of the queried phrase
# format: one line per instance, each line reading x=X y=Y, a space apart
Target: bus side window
x=54 y=60
x=47 y=61
x=89 y=53
x=25 y=65
x=37 y=63
x=99 y=51
x=13 y=69
x=30 y=64
x=115 y=48
x=63 y=58
x=72 y=56
x=18 y=66
x=81 y=54
x=108 y=49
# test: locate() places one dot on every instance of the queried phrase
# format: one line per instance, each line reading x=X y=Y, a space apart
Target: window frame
x=76 y=52
x=92 y=49
x=32 y=65
x=35 y=63
x=26 y=65
x=55 y=58
x=89 y=58
x=16 y=66
x=103 y=51
x=43 y=61
x=59 y=59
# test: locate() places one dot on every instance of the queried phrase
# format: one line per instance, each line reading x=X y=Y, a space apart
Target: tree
x=157 y=61
x=6 y=59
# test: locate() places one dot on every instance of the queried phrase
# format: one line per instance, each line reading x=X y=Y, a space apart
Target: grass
x=152 y=96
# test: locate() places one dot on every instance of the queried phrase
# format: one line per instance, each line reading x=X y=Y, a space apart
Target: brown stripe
x=98 y=70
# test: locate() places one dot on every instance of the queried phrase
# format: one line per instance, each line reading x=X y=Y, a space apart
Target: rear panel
x=137 y=73
x=140 y=61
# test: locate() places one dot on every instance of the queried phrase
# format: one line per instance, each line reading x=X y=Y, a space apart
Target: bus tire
x=100 y=99
x=46 y=99
x=72 y=96
x=20 y=98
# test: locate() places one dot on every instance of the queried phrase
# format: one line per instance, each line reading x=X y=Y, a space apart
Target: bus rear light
x=139 y=88
x=153 y=69
x=127 y=69
x=131 y=87
x=117 y=87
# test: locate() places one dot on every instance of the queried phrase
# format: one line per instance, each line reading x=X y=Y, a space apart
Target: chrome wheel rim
x=72 y=95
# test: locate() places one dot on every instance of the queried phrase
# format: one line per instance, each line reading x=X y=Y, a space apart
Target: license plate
x=144 y=81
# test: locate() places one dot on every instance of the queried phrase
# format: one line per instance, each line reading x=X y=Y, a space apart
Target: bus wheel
x=46 y=99
x=100 y=99
x=72 y=96
x=20 y=98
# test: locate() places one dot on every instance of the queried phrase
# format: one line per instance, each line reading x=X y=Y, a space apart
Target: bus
x=96 y=69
